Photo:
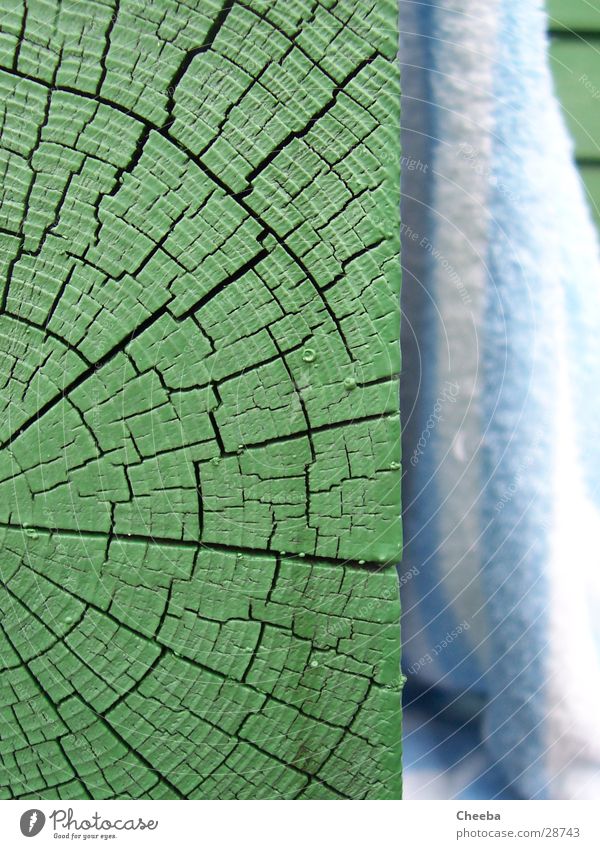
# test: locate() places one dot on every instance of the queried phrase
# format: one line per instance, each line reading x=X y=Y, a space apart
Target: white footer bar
x=306 y=825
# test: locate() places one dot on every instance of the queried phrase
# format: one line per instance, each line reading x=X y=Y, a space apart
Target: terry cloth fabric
x=500 y=579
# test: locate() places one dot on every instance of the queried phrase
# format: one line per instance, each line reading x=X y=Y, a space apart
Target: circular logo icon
x=32 y=822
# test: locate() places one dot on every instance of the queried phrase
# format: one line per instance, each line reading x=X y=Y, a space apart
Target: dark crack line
x=363 y=565
x=61 y=290
x=107 y=44
x=191 y=55
x=21 y=36
x=200 y=500
x=220 y=287
x=320 y=113
x=301 y=434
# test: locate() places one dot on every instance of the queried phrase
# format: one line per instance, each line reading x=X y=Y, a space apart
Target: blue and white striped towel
x=501 y=400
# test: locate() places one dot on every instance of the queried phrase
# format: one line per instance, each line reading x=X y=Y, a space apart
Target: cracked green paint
x=199 y=439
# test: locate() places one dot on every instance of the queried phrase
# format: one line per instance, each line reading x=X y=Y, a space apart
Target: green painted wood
x=200 y=437
x=576 y=68
x=575 y=15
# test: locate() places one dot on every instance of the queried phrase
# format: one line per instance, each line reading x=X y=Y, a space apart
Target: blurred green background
x=575 y=55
